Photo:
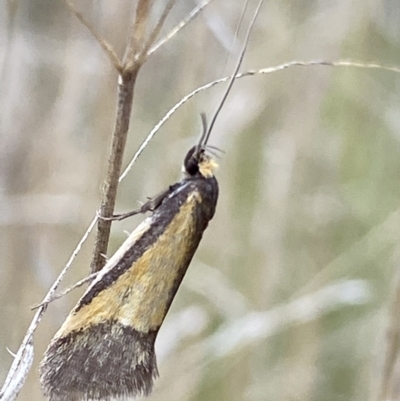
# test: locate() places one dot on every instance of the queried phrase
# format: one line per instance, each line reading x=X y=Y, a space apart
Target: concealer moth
x=105 y=348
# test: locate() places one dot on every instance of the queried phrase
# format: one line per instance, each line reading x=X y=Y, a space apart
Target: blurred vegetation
x=287 y=297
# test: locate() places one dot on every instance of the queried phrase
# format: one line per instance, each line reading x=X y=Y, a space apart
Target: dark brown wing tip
x=101 y=362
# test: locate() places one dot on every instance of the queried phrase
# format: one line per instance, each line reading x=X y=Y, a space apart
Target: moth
x=105 y=348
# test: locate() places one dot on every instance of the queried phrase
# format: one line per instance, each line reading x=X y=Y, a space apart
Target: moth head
x=197 y=162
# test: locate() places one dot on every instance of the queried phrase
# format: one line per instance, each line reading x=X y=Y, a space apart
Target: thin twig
x=67 y=290
x=24 y=357
x=137 y=34
x=235 y=37
x=268 y=70
x=157 y=29
x=102 y=42
x=191 y=16
x=18 y=372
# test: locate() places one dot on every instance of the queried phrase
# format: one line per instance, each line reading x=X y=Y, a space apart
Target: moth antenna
x=204 y=133
x=234 y=46
x=237 y=67
x=213 y=150
x=202 y=142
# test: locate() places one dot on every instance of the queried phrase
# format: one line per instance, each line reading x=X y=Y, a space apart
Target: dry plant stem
x=126 y=85
x=134 y=58
x=103 y=43
x=125 y=97
x=268 y=70
x=18 y=372
x=157 y=29
x=67 y=290
x=196 y=11
x=21 y=365
x=137 y=33
x=388 y=375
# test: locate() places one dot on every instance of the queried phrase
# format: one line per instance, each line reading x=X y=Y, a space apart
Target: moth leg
x=150 y=206
x=119 y=217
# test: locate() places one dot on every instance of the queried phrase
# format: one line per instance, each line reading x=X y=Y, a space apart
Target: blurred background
x=287 y=297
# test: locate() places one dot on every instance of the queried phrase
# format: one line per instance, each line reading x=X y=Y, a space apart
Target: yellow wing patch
x=139 y=297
